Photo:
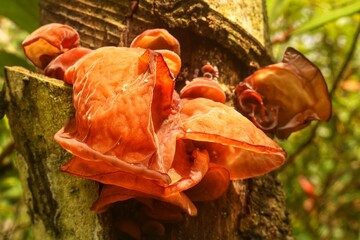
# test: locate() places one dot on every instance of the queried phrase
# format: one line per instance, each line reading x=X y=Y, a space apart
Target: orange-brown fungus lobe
x=163 y=42
x=49 y=41
x=172 y=60
x=285 y=97
x=231 y=140
x=57 y=67
x=112 y=88
x=205 y=88
x=212 y=186
x=157 y=39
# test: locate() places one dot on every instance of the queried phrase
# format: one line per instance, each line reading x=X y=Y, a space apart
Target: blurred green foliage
x=17 y=19
x=24 y=13
x=327 y=155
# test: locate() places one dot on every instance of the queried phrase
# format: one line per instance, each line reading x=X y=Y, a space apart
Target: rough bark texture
x=229 y=34
x=58 y=203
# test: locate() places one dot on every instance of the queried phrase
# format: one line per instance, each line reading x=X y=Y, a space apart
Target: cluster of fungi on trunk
x=141 y=139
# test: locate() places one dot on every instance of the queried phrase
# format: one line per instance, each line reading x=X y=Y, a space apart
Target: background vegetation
x=320 y=175
x=325 y=156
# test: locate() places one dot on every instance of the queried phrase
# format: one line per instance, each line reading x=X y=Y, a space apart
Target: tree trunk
x=229 y=34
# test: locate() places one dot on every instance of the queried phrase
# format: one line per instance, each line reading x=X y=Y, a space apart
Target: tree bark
x=58 y=203
x=230 y=34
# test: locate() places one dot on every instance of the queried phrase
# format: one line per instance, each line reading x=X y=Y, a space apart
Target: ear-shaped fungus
x=112 y=88
x=205 y=88
x=285 y=97
x=231 y=140
x=57 y=67
x=165 y=151
x=49 y=41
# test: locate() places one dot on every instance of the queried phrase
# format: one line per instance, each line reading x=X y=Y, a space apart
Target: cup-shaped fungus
x=49 y=41
x=285 y=97
x=203 y=87
x=57 y=67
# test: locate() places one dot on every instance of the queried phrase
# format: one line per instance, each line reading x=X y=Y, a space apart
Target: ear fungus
x=49 y=41
x=285 y=97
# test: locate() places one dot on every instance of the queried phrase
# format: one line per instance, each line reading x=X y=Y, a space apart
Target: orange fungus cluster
x=142 y=140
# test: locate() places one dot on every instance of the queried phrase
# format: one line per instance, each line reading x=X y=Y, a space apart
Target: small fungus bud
x=211 y=70
x=130 y=228
x=205 y=88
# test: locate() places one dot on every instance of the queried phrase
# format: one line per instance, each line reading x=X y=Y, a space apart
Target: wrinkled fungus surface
x=285 y=97
x=133 y=133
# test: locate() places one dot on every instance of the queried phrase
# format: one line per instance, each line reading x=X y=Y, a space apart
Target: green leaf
x=276 y=7
x=9 y=59
x=24 y=13
x=329 y=16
